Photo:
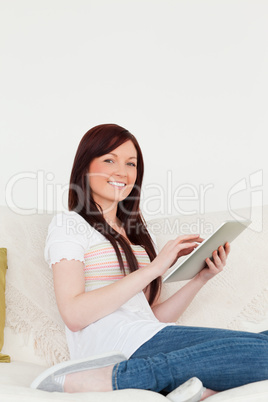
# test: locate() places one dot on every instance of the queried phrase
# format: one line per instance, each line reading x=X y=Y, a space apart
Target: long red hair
x=98 y=141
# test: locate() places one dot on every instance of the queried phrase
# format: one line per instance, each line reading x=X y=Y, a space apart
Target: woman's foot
x=190 y=391
x=97 y=380
x=90 y=374
x=207 y=393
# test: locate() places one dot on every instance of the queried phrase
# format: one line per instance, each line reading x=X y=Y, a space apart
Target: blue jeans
x=221 y=359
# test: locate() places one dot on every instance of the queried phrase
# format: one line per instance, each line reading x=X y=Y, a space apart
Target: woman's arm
x=79 y=308
x=171 y=309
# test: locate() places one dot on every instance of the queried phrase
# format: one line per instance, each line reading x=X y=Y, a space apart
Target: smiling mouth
x=117 y=184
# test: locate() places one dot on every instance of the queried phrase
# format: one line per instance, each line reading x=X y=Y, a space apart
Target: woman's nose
x=120 y=170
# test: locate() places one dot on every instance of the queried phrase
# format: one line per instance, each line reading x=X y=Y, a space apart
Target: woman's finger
x=186 y=251
x=189 y=238
x=222 y=254
x=217 y=260
x=227 y=248
x=211 y=266
x=183 y=246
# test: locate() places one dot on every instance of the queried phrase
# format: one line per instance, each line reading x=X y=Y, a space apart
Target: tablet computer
x=195 y=261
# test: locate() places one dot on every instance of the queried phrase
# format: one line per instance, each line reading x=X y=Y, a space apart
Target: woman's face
x=112 y=176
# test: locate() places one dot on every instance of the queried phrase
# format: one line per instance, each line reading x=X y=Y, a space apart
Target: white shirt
x=126 y=329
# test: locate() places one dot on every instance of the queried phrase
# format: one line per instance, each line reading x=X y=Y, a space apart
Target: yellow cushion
x=3 y=268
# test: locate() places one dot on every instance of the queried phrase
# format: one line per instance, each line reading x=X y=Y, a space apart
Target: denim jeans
x=221 y=359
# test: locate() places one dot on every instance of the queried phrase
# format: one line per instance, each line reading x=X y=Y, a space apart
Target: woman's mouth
x=117 y=184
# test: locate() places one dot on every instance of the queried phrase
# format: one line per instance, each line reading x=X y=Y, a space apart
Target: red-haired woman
x=107 y=279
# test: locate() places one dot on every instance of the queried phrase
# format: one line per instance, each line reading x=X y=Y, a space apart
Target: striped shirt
x=126 y=329
x=102 y=266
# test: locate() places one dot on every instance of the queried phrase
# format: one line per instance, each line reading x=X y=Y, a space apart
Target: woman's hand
x=172 y=308
x=216 y=266
x=174 y=249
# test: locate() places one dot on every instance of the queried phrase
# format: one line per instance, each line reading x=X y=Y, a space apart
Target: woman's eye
x=111 y=161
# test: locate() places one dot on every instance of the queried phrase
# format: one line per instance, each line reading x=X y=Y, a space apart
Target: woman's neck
x=112 y=219
x=109 y=213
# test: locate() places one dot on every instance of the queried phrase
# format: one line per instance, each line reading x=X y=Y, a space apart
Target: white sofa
x=34 y=332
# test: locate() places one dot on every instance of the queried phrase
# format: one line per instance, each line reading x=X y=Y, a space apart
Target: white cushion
x=238 y=297
x=255 y=392
x=31 y=309
x=21 y=346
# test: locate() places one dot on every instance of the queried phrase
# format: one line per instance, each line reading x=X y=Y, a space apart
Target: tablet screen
x=195 y=261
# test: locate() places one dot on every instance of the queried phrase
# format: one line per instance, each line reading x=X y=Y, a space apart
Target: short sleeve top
x=70 y=236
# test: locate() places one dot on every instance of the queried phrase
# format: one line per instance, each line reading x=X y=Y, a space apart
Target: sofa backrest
x=237 y=298
x=34 y=330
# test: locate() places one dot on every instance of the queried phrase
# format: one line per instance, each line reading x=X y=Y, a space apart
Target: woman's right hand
x=173 y=249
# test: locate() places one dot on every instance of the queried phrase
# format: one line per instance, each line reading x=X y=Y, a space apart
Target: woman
x=107 y=279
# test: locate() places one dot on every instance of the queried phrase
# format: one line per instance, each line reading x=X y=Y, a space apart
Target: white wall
x=187 y=78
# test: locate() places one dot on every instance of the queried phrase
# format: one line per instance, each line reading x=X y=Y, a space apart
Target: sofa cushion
x=3 y=267
x=17 y=377
x=238 y=297
x=20 y=373
x=31 y=310
x=254 y=392
x=21 y=346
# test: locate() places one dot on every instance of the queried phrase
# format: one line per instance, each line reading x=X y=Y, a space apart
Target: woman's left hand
x=216 y=266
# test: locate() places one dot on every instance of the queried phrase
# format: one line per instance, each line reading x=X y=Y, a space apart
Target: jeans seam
x=116 y=367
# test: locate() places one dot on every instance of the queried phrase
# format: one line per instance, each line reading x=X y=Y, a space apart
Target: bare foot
x=207 y=393
x=96 y=380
